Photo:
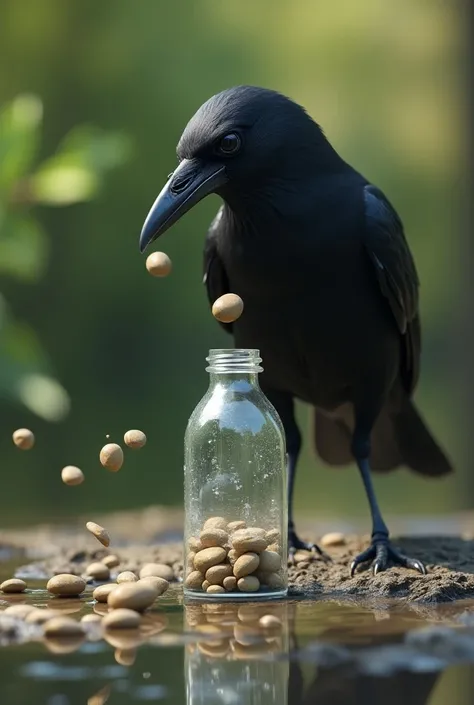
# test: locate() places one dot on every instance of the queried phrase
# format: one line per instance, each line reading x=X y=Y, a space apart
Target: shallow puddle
x=325 y=652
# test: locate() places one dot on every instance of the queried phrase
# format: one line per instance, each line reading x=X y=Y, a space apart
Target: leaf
x=20 y=121
x=58 y=183
x=24 y=247
x=95 y=148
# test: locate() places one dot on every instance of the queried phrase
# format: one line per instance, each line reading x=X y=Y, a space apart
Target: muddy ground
x=153 y=535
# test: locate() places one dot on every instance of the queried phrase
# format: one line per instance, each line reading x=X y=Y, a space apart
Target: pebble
x=194 y=544
x=273 y=580
x=13 y=585
x=194 y=580
x=215 y=523
x=230 y=583
x=134 y=438
x=248 y=613
x=160 y=584
x=39 y=616
x=205 y=585
x=246 y=634
x=20 y=611
x=235 y=526
x=99 y=532
x=98 y=571
x=248 y=584
x=111 y=457
x=336 y=538
x=272 y=536
x=121 y=618
x=208 y=557
x=23 y=438
x=302 y=556
x=216 y=574
x=62 y=626
x=215 y=589
x=66 y=584
x=64 y=644
x=213 y=536
x=245 y=564
x=111 y=561
x=102 y=592
x=232 y=556
x=158 y=264
x=248 y=540
x=133 y=596
x=228 y=308
x=91 y=618
x=270 y=561
x=158 y=570
x=269 y=621
x=126 y=576
x=125 y=657
x=71 y=475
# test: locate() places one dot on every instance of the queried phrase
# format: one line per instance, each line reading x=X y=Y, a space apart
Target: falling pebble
x=99 y=532
x=107 y=435
x=71 y=475
x=134 y=438
x=228 y=308
x=23 y=438
x=158 y=264
x=111 y=457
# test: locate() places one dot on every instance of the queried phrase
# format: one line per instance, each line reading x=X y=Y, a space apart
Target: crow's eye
x=230 y=144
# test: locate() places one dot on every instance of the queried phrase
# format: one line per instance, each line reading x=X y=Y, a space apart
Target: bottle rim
x=232 y=360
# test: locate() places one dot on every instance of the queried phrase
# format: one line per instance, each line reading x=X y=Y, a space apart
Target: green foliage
x=74 y=174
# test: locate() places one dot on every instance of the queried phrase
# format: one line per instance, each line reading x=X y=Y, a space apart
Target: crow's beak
x=189 y=184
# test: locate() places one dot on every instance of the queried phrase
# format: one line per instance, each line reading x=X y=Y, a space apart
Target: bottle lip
x=232 y=360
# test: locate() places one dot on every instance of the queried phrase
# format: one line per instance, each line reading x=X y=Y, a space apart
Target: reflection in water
x=236 y=659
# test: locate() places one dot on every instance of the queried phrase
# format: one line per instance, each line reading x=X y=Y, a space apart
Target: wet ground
x=340 y=642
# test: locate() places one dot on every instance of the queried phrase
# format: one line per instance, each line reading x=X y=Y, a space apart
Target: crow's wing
x=397 y=277
x=215 y=276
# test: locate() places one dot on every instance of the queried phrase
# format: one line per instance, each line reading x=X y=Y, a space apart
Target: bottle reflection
x=239 y=655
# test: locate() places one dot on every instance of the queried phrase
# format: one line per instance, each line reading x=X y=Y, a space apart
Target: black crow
x=320 y=259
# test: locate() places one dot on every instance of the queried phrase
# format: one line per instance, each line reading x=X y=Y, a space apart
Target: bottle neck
x=234 y=365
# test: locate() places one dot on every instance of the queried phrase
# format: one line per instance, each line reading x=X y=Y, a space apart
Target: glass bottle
x=235 y=543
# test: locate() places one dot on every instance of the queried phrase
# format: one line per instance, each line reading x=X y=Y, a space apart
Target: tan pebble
x=13 y=585
x=213 y=537
x=98 y=571
x=230 y=583
x=160 y=584
x=270 y=622
x=232 y=556
x=215 y=589
x=111 y=457
x=248 y=613
x=159 y=570
x=227 y=308
x=126 y=576
x=245 y=564
x=246 y=540
x=66 y=584
x=190 y=558
x=72 y=476
x=39 y=616
x=246 y=634
x=215 y=523
x=158 y=264
x=102 y=592
x=99 y=532
x=274 y=547
x=134 y=438
x=23 y=438
x=111 y=561
x=248 y=584
x=194 y=580
x=20 y=611
x=62 y=626
x=335 y=538
x=270 y=561
x=257 y=531
x=205 y=585
x=125 y=657
x=235 y=526
x=273 y=536
x=208 y=557
x=134 y=596
x=91 y=618
x=300 y=556
x=216 y=574
x=101 y=608
x=194 y=544
x=121 y=618
x=64 y=644
x=274 y=581
x=100 y=697
x=303 y=565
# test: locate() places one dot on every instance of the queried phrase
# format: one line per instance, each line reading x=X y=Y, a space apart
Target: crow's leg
x=284 y=404
x=380 y=551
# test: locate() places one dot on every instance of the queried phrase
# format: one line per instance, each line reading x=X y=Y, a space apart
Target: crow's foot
x=381 y=552
x=296 y=544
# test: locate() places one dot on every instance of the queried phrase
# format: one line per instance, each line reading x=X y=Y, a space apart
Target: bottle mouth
x=234 y=360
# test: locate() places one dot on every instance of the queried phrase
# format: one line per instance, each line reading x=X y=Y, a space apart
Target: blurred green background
x=94 y=97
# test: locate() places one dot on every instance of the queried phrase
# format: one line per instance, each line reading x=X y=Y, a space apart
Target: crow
x=319 y=256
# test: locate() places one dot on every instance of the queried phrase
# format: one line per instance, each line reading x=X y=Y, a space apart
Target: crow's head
x=238 y=140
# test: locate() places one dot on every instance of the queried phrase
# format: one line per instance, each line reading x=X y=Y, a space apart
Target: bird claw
x=296 y=544
x=380 y=552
